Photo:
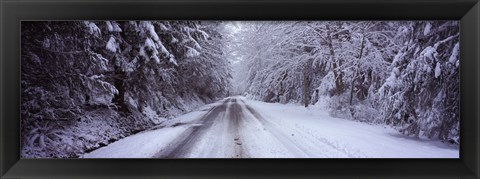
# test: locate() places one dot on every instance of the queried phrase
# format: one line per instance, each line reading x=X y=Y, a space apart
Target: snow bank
x=355 y=138
x=142 y=145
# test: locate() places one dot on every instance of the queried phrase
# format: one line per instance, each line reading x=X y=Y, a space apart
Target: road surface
x=234 y=129
x=185 y=143
x=229 y=115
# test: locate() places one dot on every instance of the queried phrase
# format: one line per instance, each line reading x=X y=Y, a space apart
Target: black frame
x=14 y=11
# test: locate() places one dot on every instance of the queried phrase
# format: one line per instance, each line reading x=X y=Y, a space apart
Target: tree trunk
x=336 y=73
x=356 y=70
x=306 y=84
x=282 y=88
x=307 y=69
x=119 y=99
x=354 y=78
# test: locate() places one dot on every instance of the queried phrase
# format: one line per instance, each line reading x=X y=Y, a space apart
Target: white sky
x=232 y=29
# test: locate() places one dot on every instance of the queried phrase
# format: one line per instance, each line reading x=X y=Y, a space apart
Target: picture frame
x=13 y=12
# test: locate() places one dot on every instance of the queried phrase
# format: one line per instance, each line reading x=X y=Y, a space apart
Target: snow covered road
x=239 y=128
x=229 y=113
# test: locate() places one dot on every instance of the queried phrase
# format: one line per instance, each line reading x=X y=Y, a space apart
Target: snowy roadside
x=147 y=143
x=356 y=138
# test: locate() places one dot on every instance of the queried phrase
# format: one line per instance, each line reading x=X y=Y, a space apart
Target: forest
x=86 y=84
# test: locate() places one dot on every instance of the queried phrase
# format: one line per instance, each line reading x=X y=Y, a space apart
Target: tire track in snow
x=296 y=147
x=184 y=143
x=296 y=150
x=234 y=119
x=217 y=134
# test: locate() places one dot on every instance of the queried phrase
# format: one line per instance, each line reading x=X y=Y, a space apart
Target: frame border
x=12 y=12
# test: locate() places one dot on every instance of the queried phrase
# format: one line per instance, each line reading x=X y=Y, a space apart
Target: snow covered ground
x=240 y=128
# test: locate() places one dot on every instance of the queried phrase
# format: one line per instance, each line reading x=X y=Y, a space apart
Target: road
x=235 y=129
x=229 y=112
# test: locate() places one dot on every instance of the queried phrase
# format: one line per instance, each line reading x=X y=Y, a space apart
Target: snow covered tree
x=422 y=92
x=279 y=61
x=61 y=74
x=214 y=76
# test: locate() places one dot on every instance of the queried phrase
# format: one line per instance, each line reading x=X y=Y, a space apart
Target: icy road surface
x=239 y=128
